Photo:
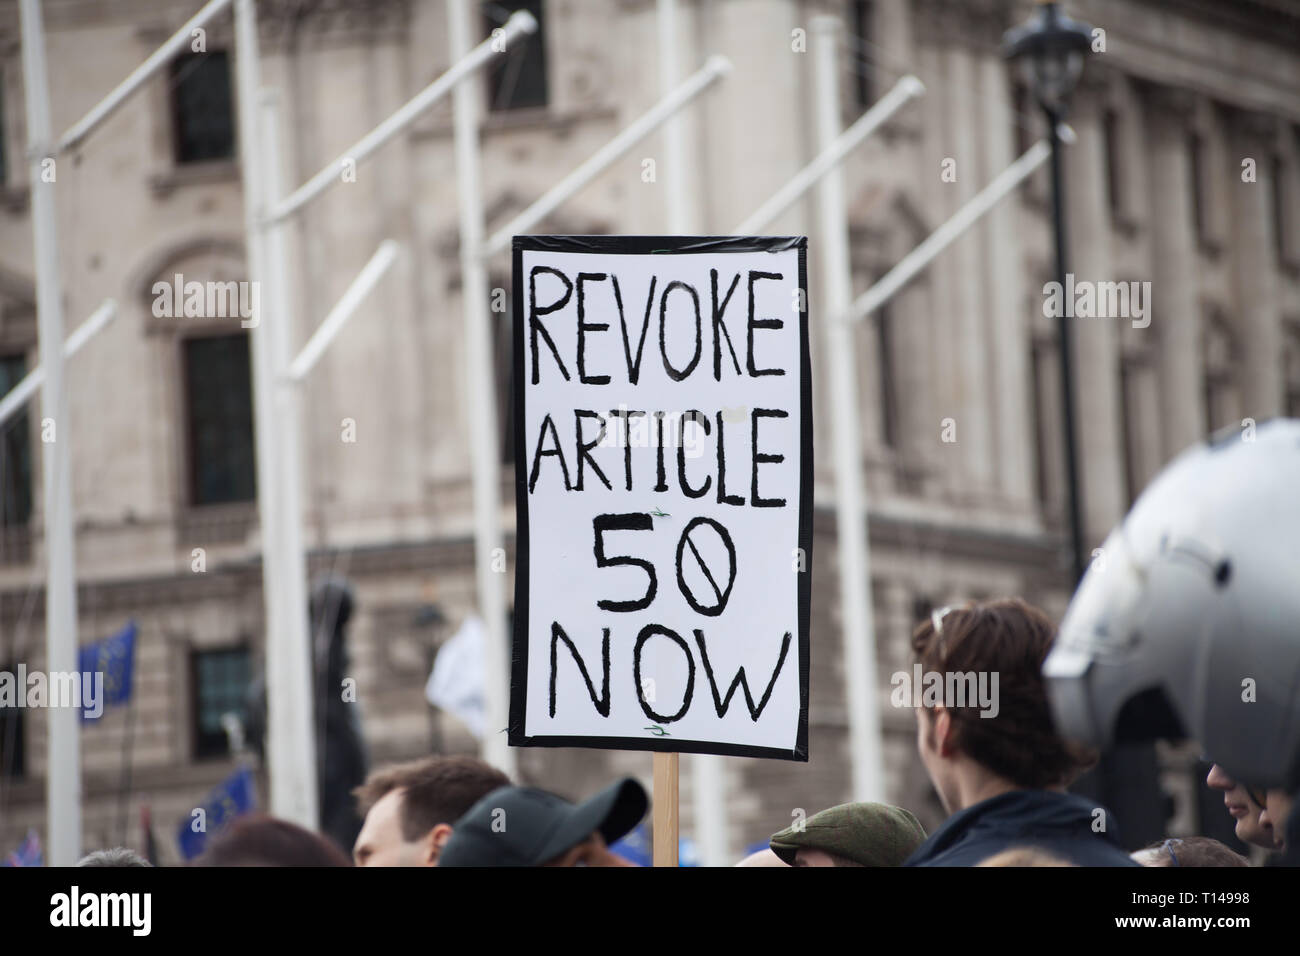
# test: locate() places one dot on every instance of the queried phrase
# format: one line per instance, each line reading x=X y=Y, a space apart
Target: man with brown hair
x=998 y=765
x=409 y=808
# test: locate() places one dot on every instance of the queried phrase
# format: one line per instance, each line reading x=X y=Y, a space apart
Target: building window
x=1219 y=360
x=1281 y=194
x=517 y=79
x=503 y=351
x=203 y=126
x=1195 y=182
x=15 y=452
x=884 y=329
x=1114 y=195
x=4 y=140
x=219 y=426
x=1130 y=404
x=860 y=52
x=220 y=686
x=1022 y=115
x=13 y=763
x=1292 y=373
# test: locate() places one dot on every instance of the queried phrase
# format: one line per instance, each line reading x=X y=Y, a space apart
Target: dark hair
x=437 y=790
x=1195 y=851
x=1010 y=638
x=261 y=840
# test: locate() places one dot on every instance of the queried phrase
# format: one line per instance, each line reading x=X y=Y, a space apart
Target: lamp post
x=1050 y=48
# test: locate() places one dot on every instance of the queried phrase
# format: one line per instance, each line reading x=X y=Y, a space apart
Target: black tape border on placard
x=640 y=246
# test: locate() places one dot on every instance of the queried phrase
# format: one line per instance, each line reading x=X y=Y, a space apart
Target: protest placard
x=663 y=431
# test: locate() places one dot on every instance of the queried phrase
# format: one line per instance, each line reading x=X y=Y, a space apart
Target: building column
x=1096 y=340
x=1008 y=327
x=966 y=271
x=1254 y=306
x=1175 y=306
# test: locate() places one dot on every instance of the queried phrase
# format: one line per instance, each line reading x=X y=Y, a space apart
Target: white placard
x=663 y=444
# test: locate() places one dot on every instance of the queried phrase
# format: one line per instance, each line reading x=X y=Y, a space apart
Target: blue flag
x=235 y=795
x=114 y=657
x=635 y=847
x=29 y=854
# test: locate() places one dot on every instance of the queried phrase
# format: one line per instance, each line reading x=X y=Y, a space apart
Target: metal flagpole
x=63 y=776
x=291 y=735
x=125 y=789
x=714 y=69
x=17 y=396
x=906 y=89
x=343 y=310
x=520 y=23
x=290 y=775
x=709 y=785
x=857 y=626
x=942 y=237
x=109 y=104
x=481 y=401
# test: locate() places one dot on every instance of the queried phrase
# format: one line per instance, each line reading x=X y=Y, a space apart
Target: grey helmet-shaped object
x=1187 y=624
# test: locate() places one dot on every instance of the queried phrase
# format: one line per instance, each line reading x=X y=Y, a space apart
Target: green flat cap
x=869 y=834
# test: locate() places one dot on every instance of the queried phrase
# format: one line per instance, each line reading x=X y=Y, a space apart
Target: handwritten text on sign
x=662 y=451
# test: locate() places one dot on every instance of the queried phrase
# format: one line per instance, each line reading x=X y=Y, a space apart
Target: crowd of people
x=1002 y=780
x=1193 y=616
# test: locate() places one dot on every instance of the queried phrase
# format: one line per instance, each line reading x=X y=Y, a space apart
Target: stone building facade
x=1185 y=174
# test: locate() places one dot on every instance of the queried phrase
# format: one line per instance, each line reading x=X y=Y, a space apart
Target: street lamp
x=1050 y=48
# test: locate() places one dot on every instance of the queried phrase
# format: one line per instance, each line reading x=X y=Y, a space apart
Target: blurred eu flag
x=636 y=847
x=233 y=796
x=29 y=854
x=114 y=657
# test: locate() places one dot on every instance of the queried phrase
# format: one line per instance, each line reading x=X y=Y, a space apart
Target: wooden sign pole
x=665 y=809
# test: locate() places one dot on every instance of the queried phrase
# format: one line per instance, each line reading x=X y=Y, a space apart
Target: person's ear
x=434 y=843
x=942 y=725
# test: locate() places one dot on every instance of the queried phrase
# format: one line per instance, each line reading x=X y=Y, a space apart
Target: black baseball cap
x=524 y=826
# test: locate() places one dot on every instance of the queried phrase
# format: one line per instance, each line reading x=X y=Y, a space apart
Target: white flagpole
x=465 y=66
x=713 y=70
x=289 y=674
x=857 y=626
x=17 y=396
x=905 y=90
x=161 y=56
x=484 y=439
x=959 y=222
x=708 y=778
x=63 y=774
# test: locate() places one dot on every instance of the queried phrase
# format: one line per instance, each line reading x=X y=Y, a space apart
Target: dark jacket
x=1059 y=823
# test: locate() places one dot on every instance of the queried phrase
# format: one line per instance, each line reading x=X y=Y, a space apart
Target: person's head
x=117 y=856
x=260 y=840
x=1277 y=811
x=853 y=834
x=409 y=808
x=970 y=750
x=523 y=826
x=1243 y=808
x=763 y=857
x=1188 y=851
x=1024 y=856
